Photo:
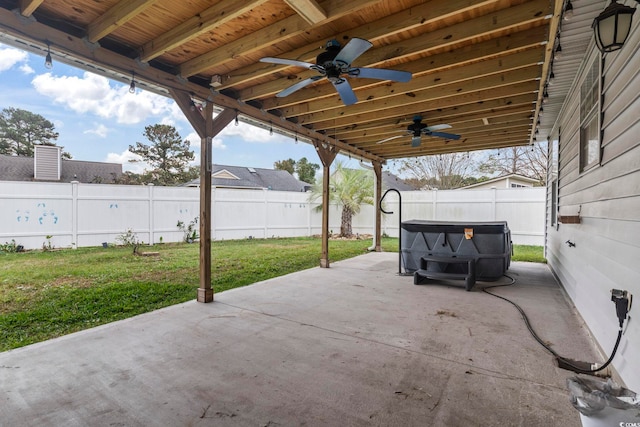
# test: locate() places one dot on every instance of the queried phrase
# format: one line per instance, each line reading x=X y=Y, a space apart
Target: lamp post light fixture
x=612 y=27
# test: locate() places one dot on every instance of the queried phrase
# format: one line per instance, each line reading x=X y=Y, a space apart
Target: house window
x=590 y=117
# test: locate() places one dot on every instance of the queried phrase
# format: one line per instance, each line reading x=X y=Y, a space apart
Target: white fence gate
x=77 y=215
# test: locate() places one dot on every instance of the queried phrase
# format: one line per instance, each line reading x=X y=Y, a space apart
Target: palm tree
x=349 y=188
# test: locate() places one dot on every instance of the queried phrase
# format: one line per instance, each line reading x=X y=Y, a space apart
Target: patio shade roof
x=479 y=66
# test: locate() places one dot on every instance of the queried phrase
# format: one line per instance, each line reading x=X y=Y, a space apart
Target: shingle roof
x=245 y=177
x=389 y=180
x=516 y=176
x=19 y=168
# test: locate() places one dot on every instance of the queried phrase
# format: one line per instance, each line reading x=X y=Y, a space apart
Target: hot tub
x=488 y=243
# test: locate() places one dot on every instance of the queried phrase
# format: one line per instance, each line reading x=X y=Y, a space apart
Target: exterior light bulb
x=48 y=62
x=568 y=11
x=558 y=53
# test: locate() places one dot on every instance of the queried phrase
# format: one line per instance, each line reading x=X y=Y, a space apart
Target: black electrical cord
x=545 y=345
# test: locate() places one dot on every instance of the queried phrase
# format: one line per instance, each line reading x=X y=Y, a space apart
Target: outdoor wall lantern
x=612 y=27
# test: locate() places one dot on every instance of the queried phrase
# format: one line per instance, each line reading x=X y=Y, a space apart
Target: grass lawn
x=48 y=294
x=528 y=253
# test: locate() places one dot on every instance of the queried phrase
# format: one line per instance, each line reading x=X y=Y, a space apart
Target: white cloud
x=138 y=167
x=26 y=69
x=194 y=140
x=124 y=159
x=174 y=115
x=10 y=57
x=93 y=94
x=59 y=124
x=250 y=133
x=217 y=143
x=100 y=130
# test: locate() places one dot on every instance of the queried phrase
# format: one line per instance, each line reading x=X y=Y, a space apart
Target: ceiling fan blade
x=438 y=127
x=389 y=139
x=283 y=61
x=381 y=74
x=444 y=135
x=293 y=88
x=416 y=141
x=346 y=93
x=351 y=51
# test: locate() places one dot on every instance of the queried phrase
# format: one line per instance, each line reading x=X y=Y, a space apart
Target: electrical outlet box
x=622 y=299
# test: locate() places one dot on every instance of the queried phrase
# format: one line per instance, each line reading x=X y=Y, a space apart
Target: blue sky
x=98 y=119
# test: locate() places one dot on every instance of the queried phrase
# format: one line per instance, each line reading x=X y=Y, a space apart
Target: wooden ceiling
x=479 y=66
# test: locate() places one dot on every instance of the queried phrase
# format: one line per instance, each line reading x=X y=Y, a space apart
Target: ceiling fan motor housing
x=334 y=63
x=325 y=60
x=416 y=127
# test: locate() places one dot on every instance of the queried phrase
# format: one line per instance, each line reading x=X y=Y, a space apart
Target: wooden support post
x=324 y=259
x=327 y=154
x=207 y=128
x=377 y=168
x=213 y=127
x=205 y=290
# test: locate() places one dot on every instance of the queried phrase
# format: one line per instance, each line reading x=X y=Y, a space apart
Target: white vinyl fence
x=77 y=215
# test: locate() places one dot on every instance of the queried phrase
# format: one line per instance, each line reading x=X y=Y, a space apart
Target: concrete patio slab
x=353 y=345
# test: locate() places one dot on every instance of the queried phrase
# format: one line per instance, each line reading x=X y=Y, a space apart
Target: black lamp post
x=611 y=28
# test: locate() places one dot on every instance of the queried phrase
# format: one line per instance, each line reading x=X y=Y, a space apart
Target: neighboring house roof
x=20 y=168
x=247 y=177
x=504 y=181
x=389 y=180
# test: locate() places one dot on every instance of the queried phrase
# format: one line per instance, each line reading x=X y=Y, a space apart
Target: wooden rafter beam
x=493 y=49
x=282 y=30
x=206 y=20
x=513 y=95
x=74 y=47
x=428 y=144
x=503 y=83
x=493 y=25
x=431 y=146
x=473 y=118
x=511 y=69
x=554 y=25
x=27 y=7
x=421 y=68
x=509 y=19
x=309 y=10
x=414 y=17
x=118 y=15
x=469 y=131
x=467 y=134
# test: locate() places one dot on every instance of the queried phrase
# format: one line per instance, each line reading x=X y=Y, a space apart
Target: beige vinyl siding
x=607 y=196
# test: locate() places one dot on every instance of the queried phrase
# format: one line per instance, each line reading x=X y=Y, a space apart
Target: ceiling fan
x=334 y=63
x=417 y=129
